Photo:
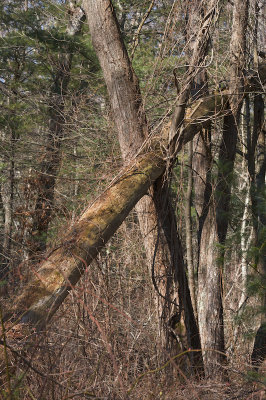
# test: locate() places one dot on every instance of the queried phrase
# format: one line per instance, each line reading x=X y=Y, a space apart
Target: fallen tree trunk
x=58 y=274
x=62 y=269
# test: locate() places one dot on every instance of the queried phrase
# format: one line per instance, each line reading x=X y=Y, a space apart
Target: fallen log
x=58 y=274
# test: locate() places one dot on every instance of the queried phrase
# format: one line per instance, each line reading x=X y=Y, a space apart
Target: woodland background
x=170 y=308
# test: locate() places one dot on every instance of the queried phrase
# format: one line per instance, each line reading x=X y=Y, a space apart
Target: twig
x=5 y=353
x=136 y=36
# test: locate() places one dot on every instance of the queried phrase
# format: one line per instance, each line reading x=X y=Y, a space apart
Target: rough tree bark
x=214 y=229
x=126 y=101
x=129 y=116
x=197 y=150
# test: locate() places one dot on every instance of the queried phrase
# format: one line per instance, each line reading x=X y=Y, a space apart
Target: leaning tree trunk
x=57 y=275
x=61 y=270
x=128 y=113
x=126 y=101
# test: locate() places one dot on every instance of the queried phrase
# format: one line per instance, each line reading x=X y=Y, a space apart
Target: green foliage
x=255 y=285
x=255 y=376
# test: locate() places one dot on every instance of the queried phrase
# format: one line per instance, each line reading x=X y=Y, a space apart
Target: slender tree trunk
x=48 y=169
x=244 y=242
x=256 y=152
x=188 y=222
x=230 y=127
x=7 y=197
x=197 y=156
x=199 y=160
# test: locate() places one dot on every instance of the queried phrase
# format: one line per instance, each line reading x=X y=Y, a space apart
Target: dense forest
x=132 y=199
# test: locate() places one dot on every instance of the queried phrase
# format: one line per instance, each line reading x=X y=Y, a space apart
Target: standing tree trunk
x=7 y=197
x=44 y=182
x=198 y=160
x=188 y=222
x=256 y=144
x=214 y=229
x=10 y=135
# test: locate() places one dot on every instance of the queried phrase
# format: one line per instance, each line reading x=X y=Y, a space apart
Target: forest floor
x=244 y=388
